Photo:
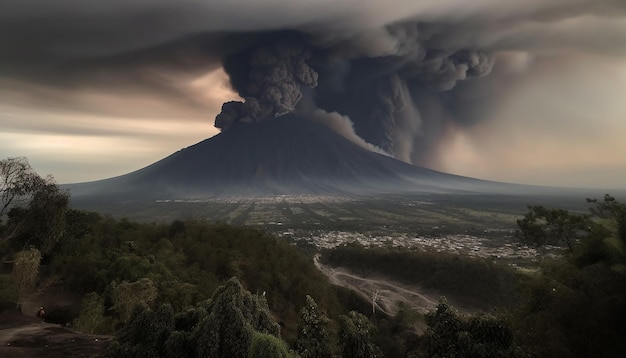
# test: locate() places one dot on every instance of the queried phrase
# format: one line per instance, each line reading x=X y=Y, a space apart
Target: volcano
x=285 y=155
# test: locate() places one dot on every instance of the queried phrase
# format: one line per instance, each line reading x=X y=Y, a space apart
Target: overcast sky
x=94 y=89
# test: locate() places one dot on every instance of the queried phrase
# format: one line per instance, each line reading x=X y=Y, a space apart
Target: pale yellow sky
x=134 y=131
x=564 y=123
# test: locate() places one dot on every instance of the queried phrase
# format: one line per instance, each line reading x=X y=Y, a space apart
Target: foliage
x=313 y=332
x=92 y=318
x=127 y=295
x=186 y=262
x=8 y=291
x=355 y=336
x=17 y=181
x=613 y=214
x=233 y=315
x=451 y=334
x=575 y=306
x=573 y=311
x=45 y=216
x=267 y=346
x=608 y=208
x=26 y=271
x=232 y=323
x=35 y=207
x=145 y=335
x=542 y=226
x=398 y=336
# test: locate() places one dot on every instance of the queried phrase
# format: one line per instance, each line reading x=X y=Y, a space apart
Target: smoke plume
x=369 y=82
x=344 y=127
x=273 y=85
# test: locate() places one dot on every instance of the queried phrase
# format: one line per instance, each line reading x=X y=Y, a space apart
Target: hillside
x=288 y=155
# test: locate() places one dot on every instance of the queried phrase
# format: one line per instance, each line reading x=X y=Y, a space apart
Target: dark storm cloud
x=392 y=68
x=72 y=37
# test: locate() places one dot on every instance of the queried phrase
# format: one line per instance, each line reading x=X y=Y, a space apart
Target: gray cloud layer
x=392 y=67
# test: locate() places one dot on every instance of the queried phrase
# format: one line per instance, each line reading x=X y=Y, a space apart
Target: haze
x=90 y=90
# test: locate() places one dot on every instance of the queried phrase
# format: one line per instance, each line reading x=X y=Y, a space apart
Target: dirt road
x=384 y=293
x=22 y=336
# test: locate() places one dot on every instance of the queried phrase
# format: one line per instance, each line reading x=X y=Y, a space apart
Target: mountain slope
x=287 y=155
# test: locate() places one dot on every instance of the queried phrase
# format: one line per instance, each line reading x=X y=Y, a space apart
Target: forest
x=209 y=289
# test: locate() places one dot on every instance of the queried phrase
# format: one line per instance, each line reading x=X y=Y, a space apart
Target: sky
x=93 y=89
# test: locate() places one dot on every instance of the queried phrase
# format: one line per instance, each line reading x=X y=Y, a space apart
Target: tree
x=576 y=306
x=233 y=323
x=267 y=346
x=35 y=207
x=608 y=245
x=17 y=182
x=92 y=319
x=541 y=225
x=313 y=336
x=127 y=295
x=450 y=334
x=608 y=208
x=145 y=335
x=25 y=272
x=611 y=209
x=234 y=314
x=355 y=336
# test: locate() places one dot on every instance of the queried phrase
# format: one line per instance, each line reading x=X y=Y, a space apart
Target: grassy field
x=430 y=215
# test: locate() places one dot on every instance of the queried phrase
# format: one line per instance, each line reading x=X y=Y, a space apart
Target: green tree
x=44 y=218
x=226 y=325
x=542 y=225
x=450 y=334
x=355 y=336
x=614 y=212
x=609 y=207
x=268 y=346
x=25 y=272
x=35 y=207
x=18 y=181
x=313 y=336
x=91 y=318
x=234 y=314
x=145 y=335
x=127 y=295
x=575 y=306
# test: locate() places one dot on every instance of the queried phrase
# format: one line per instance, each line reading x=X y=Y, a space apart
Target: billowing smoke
x=372 y=84
x=344 y=127
x=273 y=85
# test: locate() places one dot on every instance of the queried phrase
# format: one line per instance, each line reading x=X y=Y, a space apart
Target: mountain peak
x=285 y=155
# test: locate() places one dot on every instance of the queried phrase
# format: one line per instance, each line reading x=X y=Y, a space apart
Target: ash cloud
x=273 y=85
x=399 y=71
x=374 y=90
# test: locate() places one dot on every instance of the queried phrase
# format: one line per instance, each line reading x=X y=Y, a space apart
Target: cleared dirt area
x=385 y=294
x=26 y=336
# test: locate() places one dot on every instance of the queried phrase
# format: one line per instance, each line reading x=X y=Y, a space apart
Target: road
x=387 y=293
